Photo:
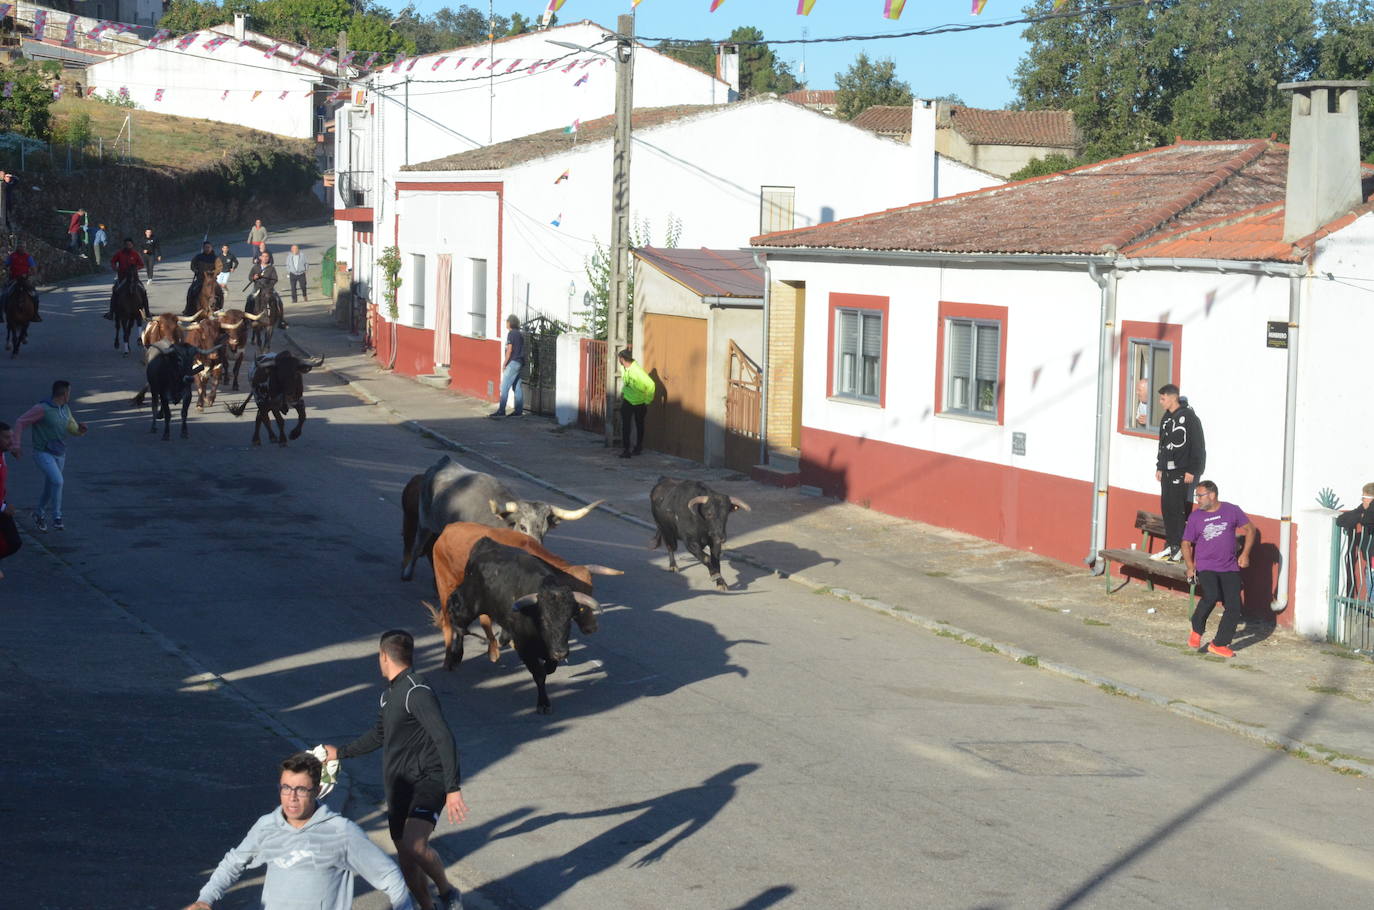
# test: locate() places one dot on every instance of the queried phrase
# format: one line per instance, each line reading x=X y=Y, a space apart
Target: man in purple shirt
x=1209 y=551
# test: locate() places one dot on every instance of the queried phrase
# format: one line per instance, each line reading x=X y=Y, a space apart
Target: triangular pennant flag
x=581 y=81
x=224 y=96
x=396 y=64
x=715 y=4
x=69 y=37
x=296 y=57
x=255 y=95
x=57 y=91
x=438 y=62
x=534 y=66
x=569 y=68
x=412 y=64
x=272 y=51
x=556 y=222
x=893 y=9
x=325 y=57
x=94 y=34
x=347 y=58
x=576 y=125
x=495 y=63
x=555 y=6
x=157 y=95
x=215 y=43
x=977 y=7
x=561 y=177
x=40 y=23
x=371 y=59
x=513 y=66
x=283 y=96
x=457 y=64
x=161 y=36
x=186 y=41
x=636 y=3
x=804 y=7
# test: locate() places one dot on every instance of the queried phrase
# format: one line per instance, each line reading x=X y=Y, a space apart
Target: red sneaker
x=1220 y=650
x=1194 y=640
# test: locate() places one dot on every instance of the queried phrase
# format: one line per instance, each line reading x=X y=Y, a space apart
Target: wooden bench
x=1151 y=528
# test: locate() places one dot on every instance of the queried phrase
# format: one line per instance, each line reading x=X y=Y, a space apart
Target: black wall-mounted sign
x=1277 y=336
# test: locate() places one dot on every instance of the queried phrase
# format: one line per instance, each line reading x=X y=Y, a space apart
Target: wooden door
x=673 y=352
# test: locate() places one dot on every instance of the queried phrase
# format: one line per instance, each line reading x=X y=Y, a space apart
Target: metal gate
x=541 y=365
x=744 y=382
x=1351 y=620
x=591 y=404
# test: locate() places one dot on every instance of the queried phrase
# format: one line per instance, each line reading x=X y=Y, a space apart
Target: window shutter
x=873 y=336
x=849 y=332
x=960 y=348
x=988 y=352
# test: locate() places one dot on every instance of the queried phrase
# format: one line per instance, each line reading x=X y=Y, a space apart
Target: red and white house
x=974 y=362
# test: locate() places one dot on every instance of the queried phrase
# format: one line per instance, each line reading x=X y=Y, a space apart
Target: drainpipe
x=1107 y=337
x=1296 y=286
x=761 y=261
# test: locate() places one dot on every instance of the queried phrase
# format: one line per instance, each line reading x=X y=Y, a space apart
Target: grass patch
x=1047 y=609
x=1347 y=655
x=985 y=646
x=937 y=574
x=1030 y=660
x=824 y=590
x=1089 y=621
x=1353 y=772
x=1177 y=646
x=946 y=633
x=1214 y=658
x=1333 y=755
x=1111 y=689
x=1303 y=754
x=1244 y=667
x=1332 y=690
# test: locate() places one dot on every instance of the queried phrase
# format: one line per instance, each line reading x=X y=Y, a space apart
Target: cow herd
x=490 y=564
x=188 y=357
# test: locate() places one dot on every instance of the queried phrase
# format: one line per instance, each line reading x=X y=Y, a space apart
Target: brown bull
x=206 y=335
x=450 y=559
x=235 y=324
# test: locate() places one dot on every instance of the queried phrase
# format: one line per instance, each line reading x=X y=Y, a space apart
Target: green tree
x=1050 y=164
x=1136 y=77
x=184 y=16
x=598 y=269
x=760 y=70
x=1346 y=51
x=867 y=83
x=27 y=111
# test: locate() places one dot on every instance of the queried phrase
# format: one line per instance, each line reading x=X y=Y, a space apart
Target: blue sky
x=976 y=66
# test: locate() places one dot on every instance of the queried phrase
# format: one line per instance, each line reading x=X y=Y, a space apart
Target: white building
x=240 y=80
x=449 y=102
x=974 y=362
x=519 y=219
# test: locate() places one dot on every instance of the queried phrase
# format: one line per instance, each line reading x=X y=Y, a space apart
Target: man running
x=311 y=853
x=21 y=268
x=126 y=264
x=419 y=765
x=151 y=248
x=52 y=423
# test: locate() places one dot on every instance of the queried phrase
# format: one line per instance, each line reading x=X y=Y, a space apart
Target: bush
x=114 y=99
x=74 y=131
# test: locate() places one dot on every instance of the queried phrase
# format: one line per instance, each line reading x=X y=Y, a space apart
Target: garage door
x=673 y=352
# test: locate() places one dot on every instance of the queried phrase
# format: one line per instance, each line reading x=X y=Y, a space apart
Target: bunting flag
x=554 y=6
x=512 y=67
x=282 y=96
x=396 y=64
x=581 y=81
x=5 y=9
x=893 y=8
x=569 y=67
x=255 y=95
x=224 y=96
x=215 y=43
x=478 y=61
x=296 y=58
x=9 y=89
x=590 y=61
x=157 y=95
x=557 y=221
x=338 y=95
x=574 y=127
x=371 y=59
x=495 y=63
x=186 y=41
x=40 y=22
x=57 y=92
x=161 y=36
x=325 y=57
x=804 y=7
x=347 y=58
x=978 y=7
x=272 y=51
x=534 y=66
x=438 y=63
x=123 y=91
x=94 y=34
x=561 y=177
x=69 y=36
x=715 y=4
x=412 y=64
x=458 y=64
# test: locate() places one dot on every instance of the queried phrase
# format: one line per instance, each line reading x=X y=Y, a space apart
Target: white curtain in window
x=443 y=297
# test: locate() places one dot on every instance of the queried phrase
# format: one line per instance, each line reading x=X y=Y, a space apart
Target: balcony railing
x=355 y=188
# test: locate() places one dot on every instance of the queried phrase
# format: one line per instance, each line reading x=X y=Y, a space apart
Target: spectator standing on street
x=311 y=853
x=1209 y=551
x=9 y=531
x=1358 y=525
x=257 y=238
x=74 y=228
x=151 y=248
x=637 y=390
x=296 y=264
x=98 y=243
x=52 y=423
x=8 y=182
x=419 y=768
x=510 y=370
x=1181 y=460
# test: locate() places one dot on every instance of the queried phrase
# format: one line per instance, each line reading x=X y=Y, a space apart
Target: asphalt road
x=757 y=748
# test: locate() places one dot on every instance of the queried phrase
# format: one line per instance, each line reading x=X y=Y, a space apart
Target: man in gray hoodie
x=311 y=852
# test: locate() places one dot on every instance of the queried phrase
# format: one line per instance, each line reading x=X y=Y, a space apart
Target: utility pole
x=343 y=52
x=617 y=309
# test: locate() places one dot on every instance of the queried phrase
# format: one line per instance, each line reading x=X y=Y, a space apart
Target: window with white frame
x=777 y=209
x=477 y=268
x=1149 y=365
x=974 y=351
x=417 y=290
x=858 y=354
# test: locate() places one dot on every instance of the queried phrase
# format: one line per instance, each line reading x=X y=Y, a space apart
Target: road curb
x=1296 y=747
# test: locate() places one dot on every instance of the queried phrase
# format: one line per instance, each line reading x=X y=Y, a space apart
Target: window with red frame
x=858 y=353
x=974 y=351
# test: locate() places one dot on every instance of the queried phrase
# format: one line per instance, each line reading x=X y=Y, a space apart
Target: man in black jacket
x=419 y=768
x=1181 y=460
x=151 y=248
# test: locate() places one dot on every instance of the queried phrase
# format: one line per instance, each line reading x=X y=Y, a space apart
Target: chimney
x=924 y=112
x=1323 y=154
x=240 y=26
x=727 y=66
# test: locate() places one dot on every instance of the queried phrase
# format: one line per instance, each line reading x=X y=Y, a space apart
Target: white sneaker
x=451 y=901
x=1168 y=554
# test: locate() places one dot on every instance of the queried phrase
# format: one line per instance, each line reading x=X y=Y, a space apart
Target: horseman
x=21 y=268
x=264 y=281
x=205 y=266
x=127 y=263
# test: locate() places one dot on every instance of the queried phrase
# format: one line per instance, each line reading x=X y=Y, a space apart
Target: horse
x=19 y=312
x=127 y=308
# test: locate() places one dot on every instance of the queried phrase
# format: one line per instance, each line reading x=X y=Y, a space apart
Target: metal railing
x=1351 y=619
x=354 y=188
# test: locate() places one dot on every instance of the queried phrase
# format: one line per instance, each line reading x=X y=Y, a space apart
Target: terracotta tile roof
x=813 y=96
x=1098 y=208
x=551 y=142
x=1256 y=235
x=710 y=273
x=885 y=118
x=1054 y=129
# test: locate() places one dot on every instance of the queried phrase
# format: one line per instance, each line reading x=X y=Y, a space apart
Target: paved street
x=762 y=747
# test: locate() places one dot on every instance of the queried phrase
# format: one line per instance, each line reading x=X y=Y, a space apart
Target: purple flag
x=69 y=36
x=40 y=23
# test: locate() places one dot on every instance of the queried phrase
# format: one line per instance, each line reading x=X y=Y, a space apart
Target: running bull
x=448 y=492
x=692 y=512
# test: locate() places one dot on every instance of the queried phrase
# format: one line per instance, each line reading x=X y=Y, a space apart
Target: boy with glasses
x=311 y=853
x=1209 y=551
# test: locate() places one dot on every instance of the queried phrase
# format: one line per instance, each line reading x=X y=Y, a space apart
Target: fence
x=742 y=399
x=541 y=365
x=1351 y=620
x=591 y=405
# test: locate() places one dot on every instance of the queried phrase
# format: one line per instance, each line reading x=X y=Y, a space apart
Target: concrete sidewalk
x=1309 y=698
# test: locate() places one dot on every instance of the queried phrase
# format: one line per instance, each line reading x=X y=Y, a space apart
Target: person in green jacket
x=637 y=389
x=52 y=423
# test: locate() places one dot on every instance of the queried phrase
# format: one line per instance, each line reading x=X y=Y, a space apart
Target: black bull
x=171 y=378
x=693 y=513
x=278 y=385
x=534 y=604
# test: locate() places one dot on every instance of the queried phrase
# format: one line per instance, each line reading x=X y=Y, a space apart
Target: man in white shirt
x=295 y=267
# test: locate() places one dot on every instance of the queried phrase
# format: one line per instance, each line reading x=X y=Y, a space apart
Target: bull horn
x=587 y=600
x=254 y=317
x=317 y=362
x=505 y=510
x=575 y=514
x=594 y=569
x=740 y=504
x=696 y=501
x=528 y=600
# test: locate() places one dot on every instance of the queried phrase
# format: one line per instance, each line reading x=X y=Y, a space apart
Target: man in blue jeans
x=52 y=423
x=510 y=370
